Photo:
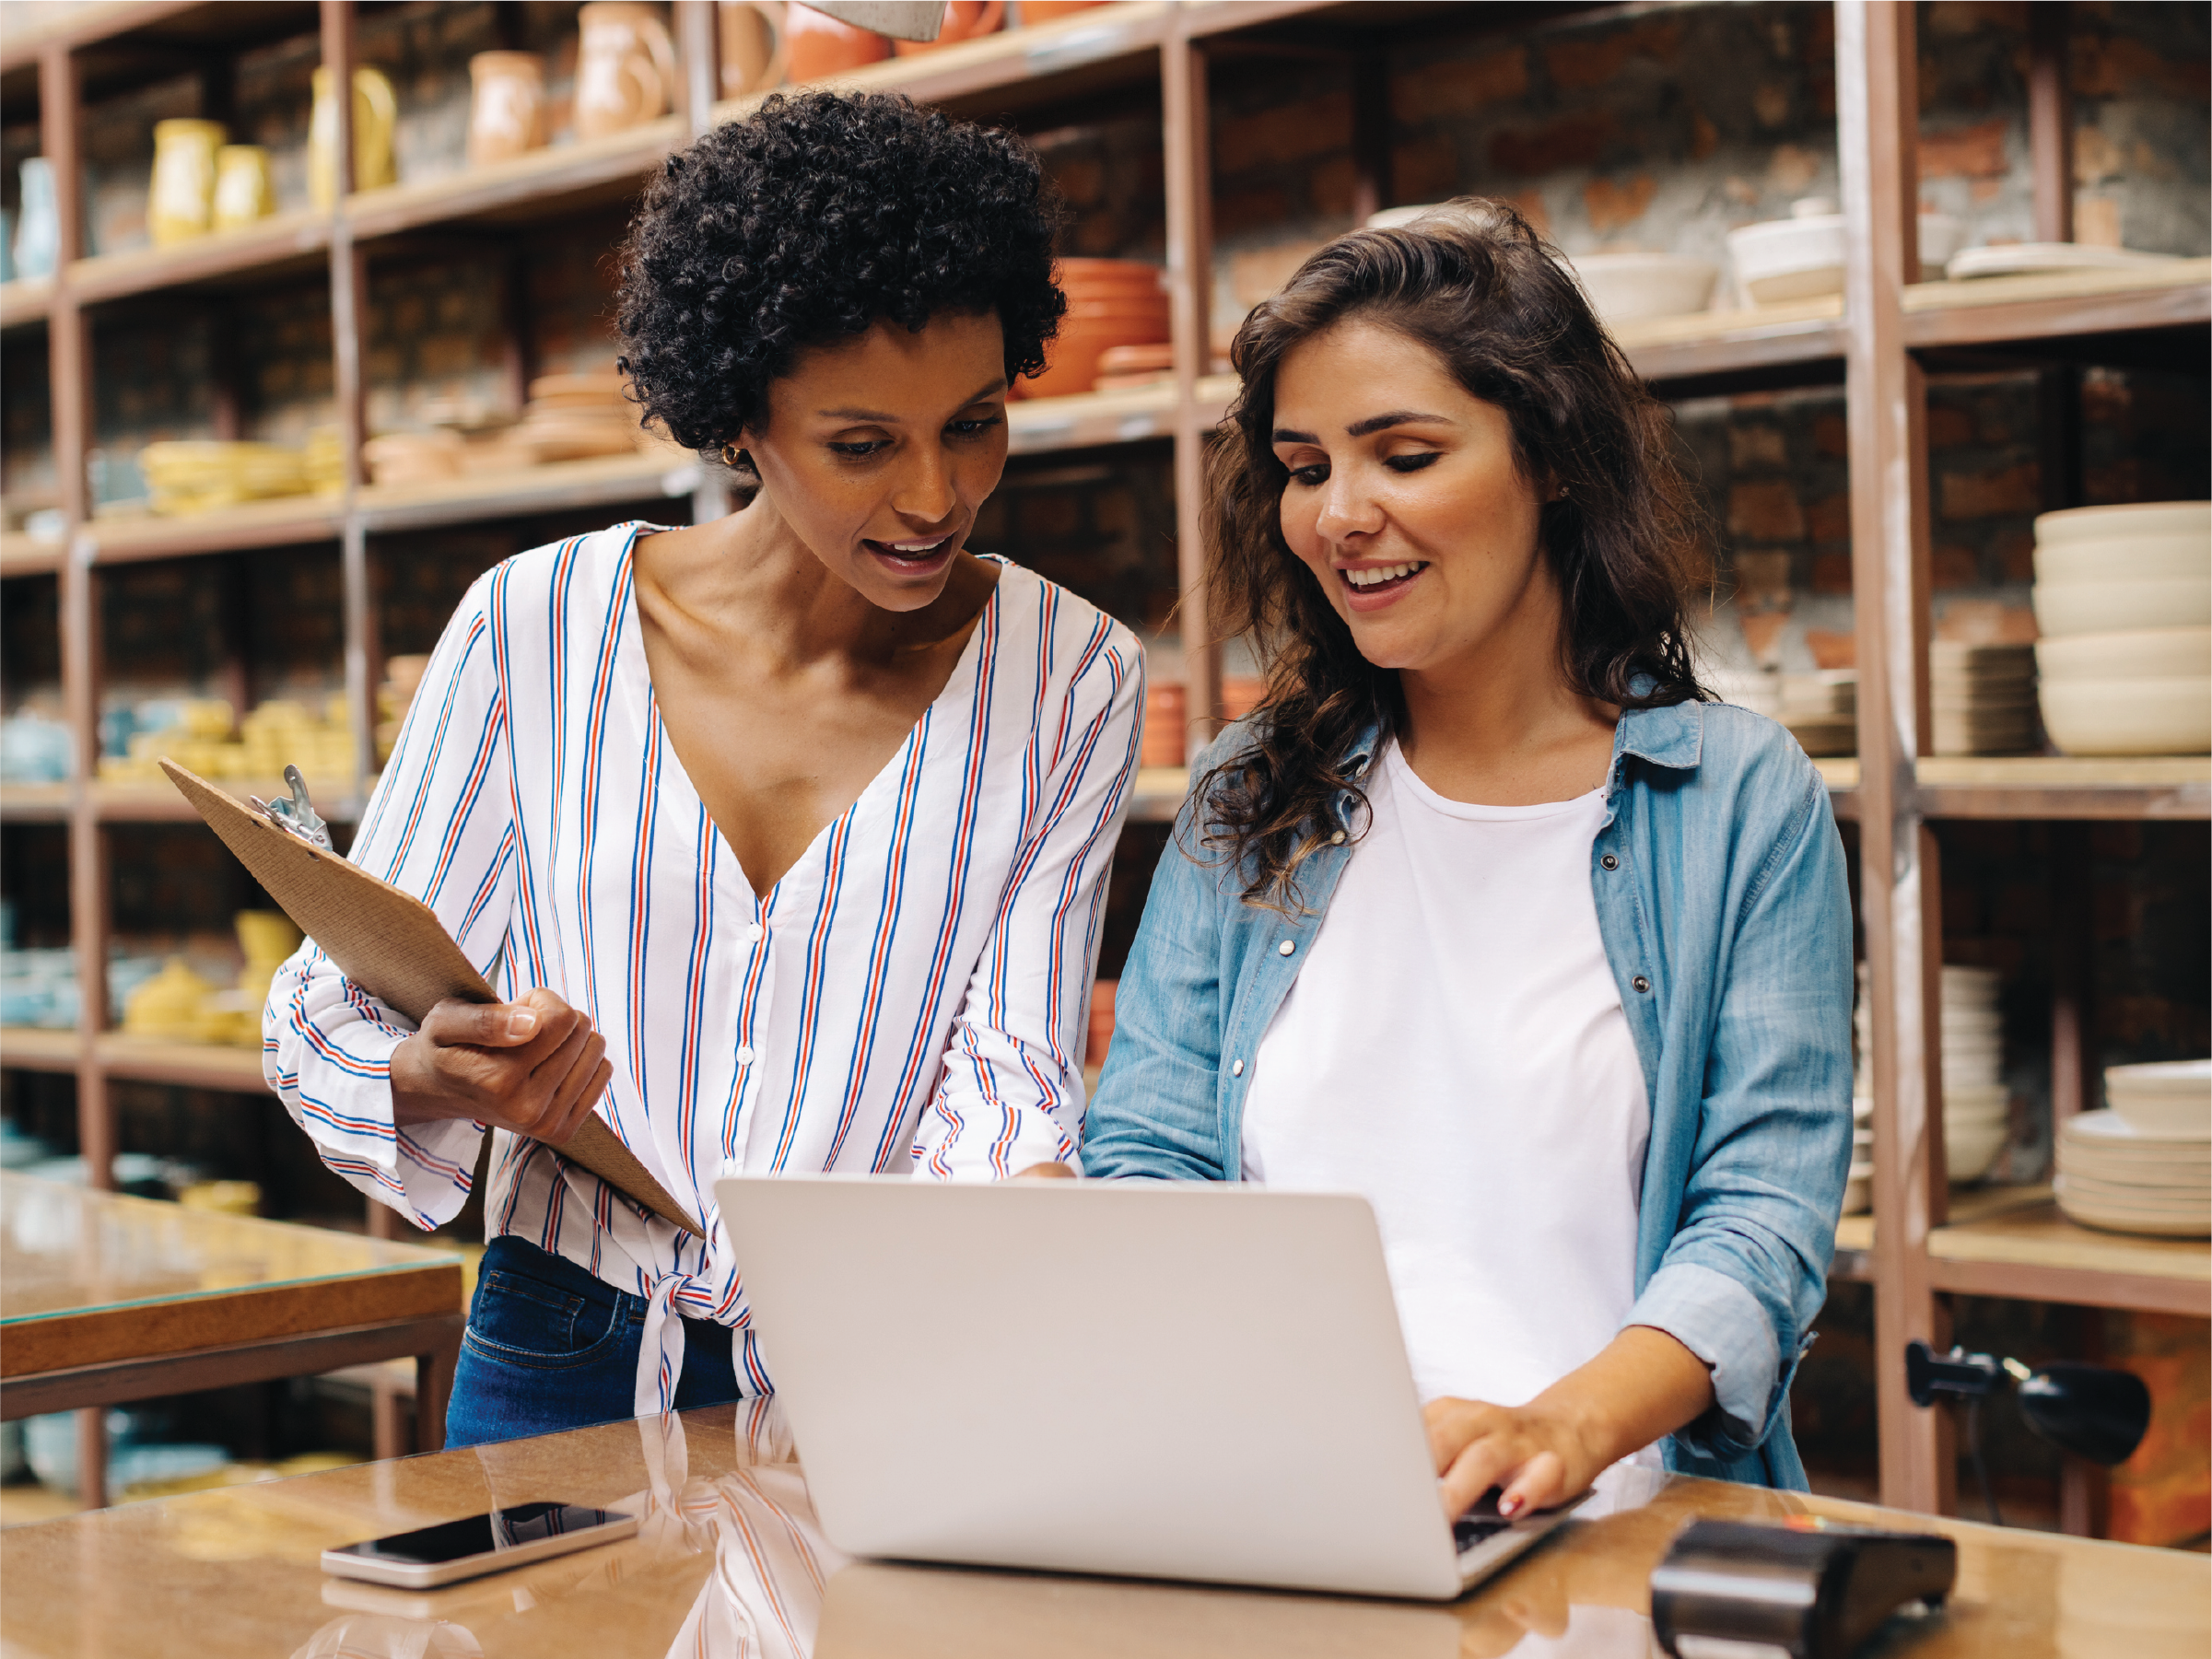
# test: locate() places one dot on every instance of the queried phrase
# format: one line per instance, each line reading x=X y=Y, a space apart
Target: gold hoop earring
x=736 y=460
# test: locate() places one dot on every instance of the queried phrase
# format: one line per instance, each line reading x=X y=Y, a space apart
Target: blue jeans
x=549 y=1347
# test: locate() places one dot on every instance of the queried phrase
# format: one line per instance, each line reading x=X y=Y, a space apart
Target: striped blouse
x=911 y=995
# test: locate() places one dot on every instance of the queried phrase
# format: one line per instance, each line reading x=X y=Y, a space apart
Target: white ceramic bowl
x=1858 y=1190
x=2131 y=654
x=2066 y=609
x=1629 y=288
x=2171 y=1098
x=2127 y=520
x=1970 y=1149
x=2130 y=717
x=2189 y=1079
x=2125 y=558
x=1802 y=258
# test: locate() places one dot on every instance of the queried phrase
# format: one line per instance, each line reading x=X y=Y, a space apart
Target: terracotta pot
x=1167 y=724
x=375 y=115
x=1138 y=359
x=964 y=20
x=815 y=45
x=507 y=108
x=752 y=41
x=1241 y=694
x=626 y=67
x=245 y=189
x=180 y=204
x=1073 y=272
x=1045 y=11
x=1072 y=358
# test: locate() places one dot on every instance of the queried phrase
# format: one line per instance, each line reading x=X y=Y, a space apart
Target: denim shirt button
x=1609 y=861
x=1641 y=982
x=1286 y=947
x=1337 y=839
x=1237 y=1067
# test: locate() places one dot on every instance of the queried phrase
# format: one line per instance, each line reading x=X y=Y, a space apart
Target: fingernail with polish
x=1509 y=1507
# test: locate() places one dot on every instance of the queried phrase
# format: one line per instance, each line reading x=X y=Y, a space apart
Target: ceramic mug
x=625 y=69
x=507 y=105
x=375 y=118
x=815 y=45
x=964 y=20
x=245 y=190
x=181 y=202
x=39 y=231
x=752 y=41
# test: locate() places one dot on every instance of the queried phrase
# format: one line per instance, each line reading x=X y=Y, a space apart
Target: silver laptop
x=1161 y=1380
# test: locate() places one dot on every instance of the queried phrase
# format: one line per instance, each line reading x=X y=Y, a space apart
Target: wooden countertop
x=729 y=1560
x=86 y=1277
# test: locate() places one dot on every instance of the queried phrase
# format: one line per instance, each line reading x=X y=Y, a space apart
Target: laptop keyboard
x=1470 y=1530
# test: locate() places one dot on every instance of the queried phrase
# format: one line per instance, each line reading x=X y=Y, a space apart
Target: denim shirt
x=1723 y=904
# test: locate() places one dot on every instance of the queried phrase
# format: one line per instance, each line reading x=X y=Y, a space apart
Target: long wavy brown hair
x=1473 y=282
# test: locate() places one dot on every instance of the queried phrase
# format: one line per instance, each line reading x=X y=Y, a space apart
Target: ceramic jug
x=39 y=232
x=752 y=41
x=375 y=117
x=180 y=204
x=964 y=20
x=625 y=71
x=245 y=190
x=506 y=111
x=815 y=45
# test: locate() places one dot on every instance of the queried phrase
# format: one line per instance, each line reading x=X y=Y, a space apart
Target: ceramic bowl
x=2135 y=654
x=2066 y=609
x=1858 y=1190
x=2170 y=1099
x=2125 y=520
x=2126 y=558
x=1802 y=257
x=1970 y=1150
x=1629 y=288
x=2130 y=717
x=1071 y=358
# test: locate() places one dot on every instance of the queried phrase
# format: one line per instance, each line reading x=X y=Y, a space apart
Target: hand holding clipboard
x=389 y=944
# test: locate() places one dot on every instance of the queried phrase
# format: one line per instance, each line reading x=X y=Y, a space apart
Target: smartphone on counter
x=453 y=1551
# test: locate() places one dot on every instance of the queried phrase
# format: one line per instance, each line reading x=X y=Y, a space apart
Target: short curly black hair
x=806 y=222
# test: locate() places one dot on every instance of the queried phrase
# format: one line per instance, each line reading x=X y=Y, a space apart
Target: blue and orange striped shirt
x=911 y=995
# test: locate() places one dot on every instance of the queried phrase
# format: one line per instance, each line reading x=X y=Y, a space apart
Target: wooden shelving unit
x=1879 y=340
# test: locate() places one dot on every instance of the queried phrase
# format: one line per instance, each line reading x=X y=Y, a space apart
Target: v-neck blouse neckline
x=954 y=697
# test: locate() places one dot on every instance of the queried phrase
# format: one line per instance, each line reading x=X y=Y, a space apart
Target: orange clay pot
x=964 y=20
x=815 y=45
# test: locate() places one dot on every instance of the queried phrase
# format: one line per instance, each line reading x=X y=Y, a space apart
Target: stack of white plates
x=1821 y=710
x=2124 y=599
x=1984 y=697
x=1858 y=1190
x=1977 y=1108
x=2114 y=1174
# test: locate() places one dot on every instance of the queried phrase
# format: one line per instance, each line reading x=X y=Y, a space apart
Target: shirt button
x=1237 y=1069
x=755 y=933
x=1337 y=839
x=1641 y=982
x=1609 y=861
x=1286 y=947
x=730 y=1168
x=745 y=1050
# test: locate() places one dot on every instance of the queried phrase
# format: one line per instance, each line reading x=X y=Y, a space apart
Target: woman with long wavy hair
x=1485 y=912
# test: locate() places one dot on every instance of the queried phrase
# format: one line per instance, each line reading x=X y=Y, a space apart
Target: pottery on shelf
x=815 y=45
x=964 y=20
x=375 y=119
x=507 y=105
x=245 y=188
x=625 y=68
x=181 y=201
x=751 y=43
x=1629 y=288
x=1050 y=11
x=37 y=245
x=1802 y=257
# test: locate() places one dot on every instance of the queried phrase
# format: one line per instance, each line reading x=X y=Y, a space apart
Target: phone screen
x=482 y=1535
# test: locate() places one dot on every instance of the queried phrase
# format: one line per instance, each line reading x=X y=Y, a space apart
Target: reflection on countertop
x=729 y=1560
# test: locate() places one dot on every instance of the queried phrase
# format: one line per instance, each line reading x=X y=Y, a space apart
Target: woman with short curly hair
x=1485 y=913
x=784 y=837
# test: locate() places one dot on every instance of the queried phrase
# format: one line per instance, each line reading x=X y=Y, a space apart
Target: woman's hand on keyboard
x=534 y=1066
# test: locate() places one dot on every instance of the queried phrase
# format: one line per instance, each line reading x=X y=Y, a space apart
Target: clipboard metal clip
x=296 y=816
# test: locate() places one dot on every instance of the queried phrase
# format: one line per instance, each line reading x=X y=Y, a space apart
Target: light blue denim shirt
x=1723 y=904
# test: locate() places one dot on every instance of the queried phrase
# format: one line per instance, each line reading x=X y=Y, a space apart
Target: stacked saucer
x=1982 y=698
x=1821 y=710
x=2145 y=1164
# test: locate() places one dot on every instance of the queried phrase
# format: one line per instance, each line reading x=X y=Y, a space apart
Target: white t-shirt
x=1455 y=1049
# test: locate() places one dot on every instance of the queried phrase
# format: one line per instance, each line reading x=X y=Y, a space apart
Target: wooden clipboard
x=389 y=944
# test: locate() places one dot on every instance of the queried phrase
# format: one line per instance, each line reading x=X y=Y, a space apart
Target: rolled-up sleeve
x=1747 y=1269
x=1011 y=1090
x=438 y=826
